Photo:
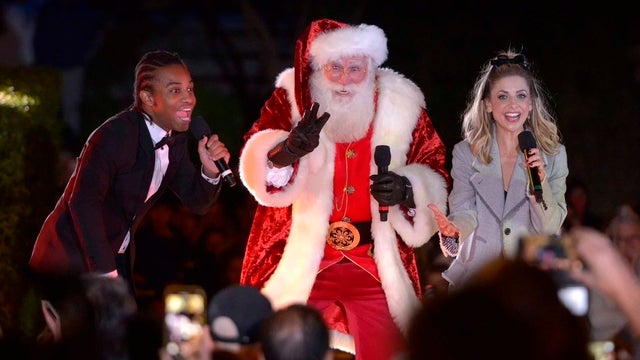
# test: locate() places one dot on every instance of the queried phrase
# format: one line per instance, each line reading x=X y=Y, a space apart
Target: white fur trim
x=286 y=80
x=429 y=187
x=253 y=170
x=363 y=39
x=295 y=274
x=399 y=106
x=341 y=341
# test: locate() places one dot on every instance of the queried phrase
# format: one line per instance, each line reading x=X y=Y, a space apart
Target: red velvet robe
x=286 y=243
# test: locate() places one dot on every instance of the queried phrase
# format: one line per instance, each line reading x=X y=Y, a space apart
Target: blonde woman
x=492 y=202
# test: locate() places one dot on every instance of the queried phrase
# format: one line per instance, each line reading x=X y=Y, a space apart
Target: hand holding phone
x=185 y=315
x=558 y=255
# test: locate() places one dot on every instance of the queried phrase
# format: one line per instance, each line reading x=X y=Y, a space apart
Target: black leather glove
x=302 y=139
x=392 y=189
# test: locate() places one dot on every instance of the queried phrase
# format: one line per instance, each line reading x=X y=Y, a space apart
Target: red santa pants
x=345 y=293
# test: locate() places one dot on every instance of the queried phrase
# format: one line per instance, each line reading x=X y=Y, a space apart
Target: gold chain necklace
x=346 y=189
x=342 y=234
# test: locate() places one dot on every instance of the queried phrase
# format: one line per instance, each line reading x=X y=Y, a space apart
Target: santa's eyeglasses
x=354 y=72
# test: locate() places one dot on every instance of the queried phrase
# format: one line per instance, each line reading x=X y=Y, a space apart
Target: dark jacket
x=105 y=197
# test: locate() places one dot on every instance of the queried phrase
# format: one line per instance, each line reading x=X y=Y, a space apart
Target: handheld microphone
x=199 y=128
x=382 y=157
x=526 y=141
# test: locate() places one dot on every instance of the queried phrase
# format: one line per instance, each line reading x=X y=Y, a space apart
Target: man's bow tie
x=167 y=140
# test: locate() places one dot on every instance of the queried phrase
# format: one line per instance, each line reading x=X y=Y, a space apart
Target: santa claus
x=332 y=228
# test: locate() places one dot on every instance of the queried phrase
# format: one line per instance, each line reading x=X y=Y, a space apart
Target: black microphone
x=382 y=157
x=199 y=129
x=526 y=141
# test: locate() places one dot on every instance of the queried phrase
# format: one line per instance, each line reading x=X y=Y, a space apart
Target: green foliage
x=29 y=129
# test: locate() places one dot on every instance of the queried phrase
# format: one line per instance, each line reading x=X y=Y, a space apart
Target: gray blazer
x=491 y=223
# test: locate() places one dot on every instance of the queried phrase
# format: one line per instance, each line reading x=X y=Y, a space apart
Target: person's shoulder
x=124 y=118
x=398 y=89
x=562 y=148
x=390 y=77
x=118 y=129
x=462 y=152
x=559 y=154
x=462 y=145
x=286 y=79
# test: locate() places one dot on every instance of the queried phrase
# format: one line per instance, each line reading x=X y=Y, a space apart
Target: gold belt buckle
x=343 y=235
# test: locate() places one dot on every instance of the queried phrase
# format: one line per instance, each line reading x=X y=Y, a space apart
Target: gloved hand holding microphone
x=392 y=189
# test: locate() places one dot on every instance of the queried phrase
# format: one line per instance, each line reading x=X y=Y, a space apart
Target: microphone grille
x=199 y=127
x=526 y=140
x=382 y=155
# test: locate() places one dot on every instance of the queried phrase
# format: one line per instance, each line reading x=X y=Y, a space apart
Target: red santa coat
x=287 y=239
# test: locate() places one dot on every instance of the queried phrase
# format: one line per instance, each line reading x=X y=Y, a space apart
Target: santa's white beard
x=350 y=117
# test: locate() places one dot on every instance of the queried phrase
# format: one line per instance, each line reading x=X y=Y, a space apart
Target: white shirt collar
x=156 y=132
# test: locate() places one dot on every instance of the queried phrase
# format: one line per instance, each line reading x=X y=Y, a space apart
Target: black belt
x=343 y=235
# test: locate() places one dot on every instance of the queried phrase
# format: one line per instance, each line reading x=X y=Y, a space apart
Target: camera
x=557 y=255
x=184 y=318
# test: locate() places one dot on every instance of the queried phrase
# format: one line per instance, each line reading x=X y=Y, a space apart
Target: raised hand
x=306 y=136
x=302 y=139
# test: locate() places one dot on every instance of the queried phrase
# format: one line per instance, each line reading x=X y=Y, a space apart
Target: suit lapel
x=147 y=156
x=487 y=182
x=176 y=152
x=516 y=196
x=489 y=187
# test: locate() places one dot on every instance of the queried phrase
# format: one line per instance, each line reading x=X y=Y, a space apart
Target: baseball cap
x=236 y=314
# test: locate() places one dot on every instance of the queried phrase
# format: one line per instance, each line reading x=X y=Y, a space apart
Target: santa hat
x=326 y=40
x=363 y=39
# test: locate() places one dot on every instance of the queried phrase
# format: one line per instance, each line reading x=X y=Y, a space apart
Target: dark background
x=588 y=56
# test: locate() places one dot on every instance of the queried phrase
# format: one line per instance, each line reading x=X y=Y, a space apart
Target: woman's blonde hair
x=477 y=122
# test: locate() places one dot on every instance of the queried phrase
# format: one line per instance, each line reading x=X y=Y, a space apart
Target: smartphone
x=602 y=350
x=557 y=255
x=184 y=318
x=549 y=252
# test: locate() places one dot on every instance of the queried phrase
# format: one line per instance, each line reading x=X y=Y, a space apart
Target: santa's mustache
x=344 y=89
